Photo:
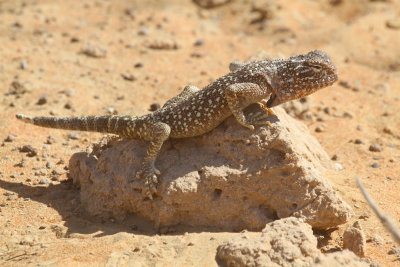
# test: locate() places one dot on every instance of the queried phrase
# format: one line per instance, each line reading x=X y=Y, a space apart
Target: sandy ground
x=45 y=69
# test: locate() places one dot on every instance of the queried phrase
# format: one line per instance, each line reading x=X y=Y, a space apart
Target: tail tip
x=24 y=118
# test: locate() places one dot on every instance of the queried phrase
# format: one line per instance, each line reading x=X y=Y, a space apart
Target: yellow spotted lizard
x=195 y=112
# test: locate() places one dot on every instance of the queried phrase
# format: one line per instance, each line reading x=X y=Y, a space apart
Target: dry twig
x=384 y=218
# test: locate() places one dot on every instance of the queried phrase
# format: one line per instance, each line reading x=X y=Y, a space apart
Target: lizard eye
x=316 y=68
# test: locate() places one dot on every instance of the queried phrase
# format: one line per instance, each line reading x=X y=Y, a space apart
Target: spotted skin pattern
x=194 y=112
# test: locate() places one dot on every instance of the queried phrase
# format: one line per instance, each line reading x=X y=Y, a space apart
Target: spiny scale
x=195 y=112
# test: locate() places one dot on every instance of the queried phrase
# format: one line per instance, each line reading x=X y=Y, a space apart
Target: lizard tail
x=103 y=124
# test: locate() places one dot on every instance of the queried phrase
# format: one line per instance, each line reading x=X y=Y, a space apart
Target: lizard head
x=301 y=75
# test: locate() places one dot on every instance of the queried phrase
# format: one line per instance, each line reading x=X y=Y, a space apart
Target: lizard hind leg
x=156 y=134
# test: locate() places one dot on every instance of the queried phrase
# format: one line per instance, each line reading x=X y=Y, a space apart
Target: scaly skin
x=195 y=112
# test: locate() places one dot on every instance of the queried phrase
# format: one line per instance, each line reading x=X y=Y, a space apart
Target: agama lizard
x=195 y=112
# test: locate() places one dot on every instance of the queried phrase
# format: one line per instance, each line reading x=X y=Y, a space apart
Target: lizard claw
x=264 y=107
x=150 y=181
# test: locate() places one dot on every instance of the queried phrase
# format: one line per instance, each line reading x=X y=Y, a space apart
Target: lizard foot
x=266 y=108
x=150 y=180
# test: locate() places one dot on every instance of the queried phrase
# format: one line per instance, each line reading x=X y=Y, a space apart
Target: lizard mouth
x=271 y=100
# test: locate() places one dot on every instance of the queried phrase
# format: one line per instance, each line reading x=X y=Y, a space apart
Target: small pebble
x=30 y=150
x=11 y=138
x=57 y=171
x=334 y=157
x=128 y=77
x=138 y=65
x=375 y=148
x=144 y=31
x=68 y=105
x=44 y=181
x=393 y=24
x=338 y=166
x=42 y=100
x=359 y=128
x=94 y=51
x=130 y=12
x=199 y=42
x=319 y=128
x=345 y=84
x=55 y=178
x=23 y=65
x=327 y=110
x=394 y=251
x=347 y=115
x=382 y=87
x=111 y=110
x=74 y=136
x=49 y=165
x=375 y=165
x=359 y=141
x=50 y=140
x=154 y=107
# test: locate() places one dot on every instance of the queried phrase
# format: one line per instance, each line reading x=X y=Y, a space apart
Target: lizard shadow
x=64 y=198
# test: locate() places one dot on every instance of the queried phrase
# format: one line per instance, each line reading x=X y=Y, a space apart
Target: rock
x=285 y=242
x=164 y=44
x=230 y=178
x=393 y=24
x=211 y=3
x=29 y=150
x=338 y=166
x=50 y=140
x=44 y=181
x=94 y=51
x=199 y=42
x=10 y=138
x=359 y=141
x=128 y=77
x=17 y=89
x=354 y=239
x=375 y=148
x=68 y=105
x=23 y=65
x=74 y=136
x=49 y=165
x=42 y=100
x=320 y=128
x=57 y=171
x=154 y=107
x=337 y=259
x=375 y=165
x=394 y=251
x=376 y=240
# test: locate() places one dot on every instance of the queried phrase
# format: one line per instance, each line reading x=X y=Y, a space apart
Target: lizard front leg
x=156 y=133
x=247 y=93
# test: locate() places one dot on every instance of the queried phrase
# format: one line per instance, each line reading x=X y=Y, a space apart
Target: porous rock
x=354 y=239
x=229 y=179
x=285 y=242
x=340 y=259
